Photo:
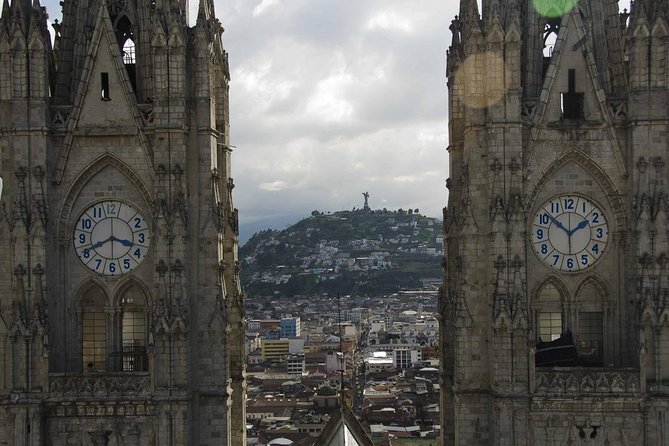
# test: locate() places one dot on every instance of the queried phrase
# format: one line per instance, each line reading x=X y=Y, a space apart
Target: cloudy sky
x=332 y=98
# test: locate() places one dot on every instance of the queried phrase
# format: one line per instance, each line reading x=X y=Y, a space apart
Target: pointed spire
x=469 y=10
x=205 y=10
x=5 y=17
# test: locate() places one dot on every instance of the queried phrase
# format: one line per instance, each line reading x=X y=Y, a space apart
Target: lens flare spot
x=554 y=8
x=483 y=79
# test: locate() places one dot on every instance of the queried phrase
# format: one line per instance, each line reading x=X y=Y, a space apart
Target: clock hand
x=579 y=226
x=123 y=242
x=558 y=224
x=100 y=243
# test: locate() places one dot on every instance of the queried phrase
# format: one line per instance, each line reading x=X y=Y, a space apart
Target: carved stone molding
x=577 y=381
x=99 y=409
x=100 y=386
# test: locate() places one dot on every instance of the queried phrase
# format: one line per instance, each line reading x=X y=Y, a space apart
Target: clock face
x=569 y=233
x=111 y=238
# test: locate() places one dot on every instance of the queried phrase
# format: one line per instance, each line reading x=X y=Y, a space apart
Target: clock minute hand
x=123 y=242
x=558 y=224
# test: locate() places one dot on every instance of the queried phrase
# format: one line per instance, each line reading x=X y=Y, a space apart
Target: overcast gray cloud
x=332 y=98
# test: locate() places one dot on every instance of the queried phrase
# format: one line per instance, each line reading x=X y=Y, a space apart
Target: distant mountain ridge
x=362 y=251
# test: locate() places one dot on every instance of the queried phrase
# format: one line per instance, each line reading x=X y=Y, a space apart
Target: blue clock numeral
x=138 y=222
x=570 y=263
x=97 y=263
x=556 y=259
x=112 y=267
x=140 y=237
x=86 y=253
x=126 y=263
x=82 y=238
x=86 y=223
x=137 y=253
x=540 y=234
x=544 y=219
x=544 y=248
x=555 y=207
x=584 y=259
x=569 y=203
x=600 y=233
x=595 y=217
x=595 y=248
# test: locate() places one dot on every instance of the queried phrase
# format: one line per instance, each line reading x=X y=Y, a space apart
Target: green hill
x=349 y=252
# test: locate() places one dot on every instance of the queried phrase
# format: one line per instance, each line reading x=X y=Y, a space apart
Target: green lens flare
x=554 y=8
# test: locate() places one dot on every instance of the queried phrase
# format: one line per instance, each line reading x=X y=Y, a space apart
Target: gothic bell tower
x=554 y=307
x=121 y=313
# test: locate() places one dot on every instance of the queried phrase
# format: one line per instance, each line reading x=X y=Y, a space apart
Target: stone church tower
x=120 y=306
x=557 y=225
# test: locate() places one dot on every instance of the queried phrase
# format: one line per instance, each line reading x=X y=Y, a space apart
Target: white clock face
x=569 y=233
x=111 y=238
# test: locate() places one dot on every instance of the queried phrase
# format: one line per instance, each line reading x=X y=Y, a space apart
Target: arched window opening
x=550 y=322
x=590 y=337
x=129 y=52
x=551 y=30
x=93 y=332
x=126 y=41
x=133 y=357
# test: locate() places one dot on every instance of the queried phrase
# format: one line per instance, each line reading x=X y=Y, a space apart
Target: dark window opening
x=104 y=87
x=572 y=102
x=590 y=338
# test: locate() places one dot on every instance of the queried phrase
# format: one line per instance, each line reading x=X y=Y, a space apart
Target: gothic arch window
x=93 y=330
x=550 y=319
x=590 y=324
x=126 y=42
x=551 y=30
x=132 y=356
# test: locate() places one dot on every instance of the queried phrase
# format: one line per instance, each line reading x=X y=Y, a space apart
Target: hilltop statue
x=366 y=195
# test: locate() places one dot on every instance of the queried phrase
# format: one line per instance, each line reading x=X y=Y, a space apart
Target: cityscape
x=478 y=259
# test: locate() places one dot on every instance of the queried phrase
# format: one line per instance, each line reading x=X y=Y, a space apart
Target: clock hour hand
x=100 y=243
x=581 y=225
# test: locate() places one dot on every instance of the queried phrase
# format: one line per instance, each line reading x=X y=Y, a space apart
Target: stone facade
x=551 y=101
x=129 y=107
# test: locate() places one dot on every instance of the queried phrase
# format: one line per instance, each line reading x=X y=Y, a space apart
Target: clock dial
x=111 y=238
x=569 y=233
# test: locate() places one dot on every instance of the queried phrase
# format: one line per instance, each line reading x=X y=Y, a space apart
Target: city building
x=290 y=327
x=120 y=305
x=554 y=303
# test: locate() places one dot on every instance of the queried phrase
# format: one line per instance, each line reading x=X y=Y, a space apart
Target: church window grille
x=94 y=332
x=550 y=325
x=590 y=334
x=590 y=337
x=132 y=356
x=549 y=320
x=94 y=341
